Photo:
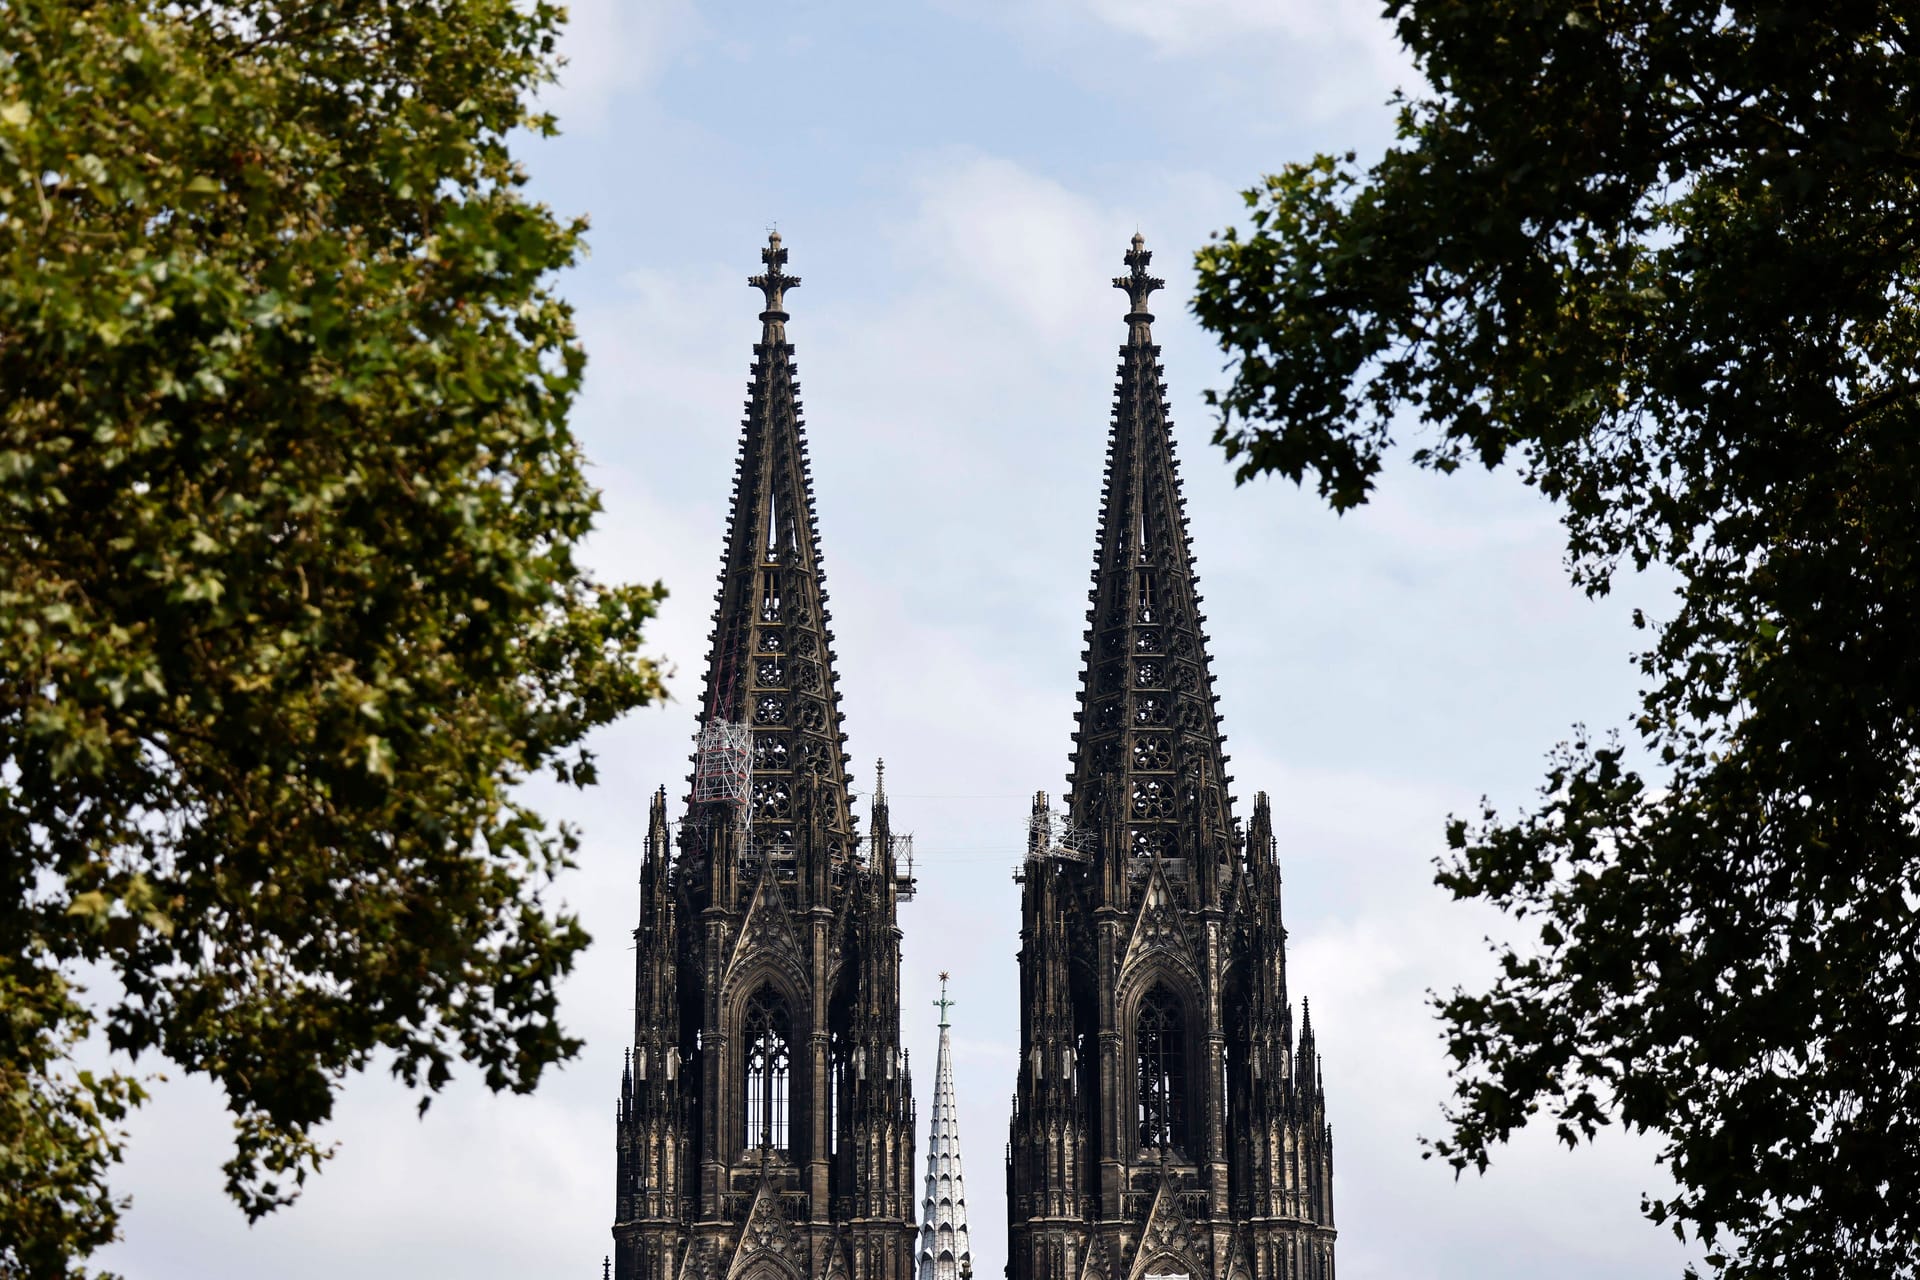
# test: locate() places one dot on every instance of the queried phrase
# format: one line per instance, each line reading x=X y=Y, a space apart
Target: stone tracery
x=768 y=950
x=1170 y=1111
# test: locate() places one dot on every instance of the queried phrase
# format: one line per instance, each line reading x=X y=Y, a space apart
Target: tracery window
x=1160 y=1042
x=767 y=1032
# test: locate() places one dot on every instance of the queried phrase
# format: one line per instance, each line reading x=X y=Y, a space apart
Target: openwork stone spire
x=1149 y=775
x=770 y=668
x=944 y=1250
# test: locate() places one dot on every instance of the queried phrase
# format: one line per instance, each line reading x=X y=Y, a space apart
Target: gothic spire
x=1158 y=1058
x=766 y=1070
x=1149 y=775
x=770 y=668
x=944 y=1250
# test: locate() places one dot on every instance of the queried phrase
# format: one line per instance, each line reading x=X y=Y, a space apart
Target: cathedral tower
x=1166 y=1119
x=765 y=1118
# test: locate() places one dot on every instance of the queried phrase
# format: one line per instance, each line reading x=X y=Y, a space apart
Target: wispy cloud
x=612 y=48
x=1320 y=58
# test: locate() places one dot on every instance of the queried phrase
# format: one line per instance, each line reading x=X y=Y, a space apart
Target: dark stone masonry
x=1167 y=1120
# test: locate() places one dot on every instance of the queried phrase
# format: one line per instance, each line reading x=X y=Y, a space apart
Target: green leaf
x=92 y=904
x=1664 y=260
x=284 y=386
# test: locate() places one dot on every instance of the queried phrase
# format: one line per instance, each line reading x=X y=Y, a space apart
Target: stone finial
x=774 y=281
x=1138 y=284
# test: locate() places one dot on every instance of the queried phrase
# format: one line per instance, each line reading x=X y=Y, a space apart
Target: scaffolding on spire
x=1052 y=834
x=723 y=762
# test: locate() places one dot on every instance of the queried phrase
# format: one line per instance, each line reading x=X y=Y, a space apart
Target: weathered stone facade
x=765 y=1119
x=1166 y=1120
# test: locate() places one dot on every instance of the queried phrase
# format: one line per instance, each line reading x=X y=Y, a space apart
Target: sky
x=957 y=183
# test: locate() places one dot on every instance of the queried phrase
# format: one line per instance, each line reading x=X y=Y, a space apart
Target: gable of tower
x=768 y=1247
x=1237 y=1267
x=698 y=1261
x=766 y=946
x=1171 y=1242
x=1096 y=1265
x=1161 y=939
x=837 y=1268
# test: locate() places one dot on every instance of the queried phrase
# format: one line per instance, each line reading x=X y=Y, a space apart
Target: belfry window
x=767 y=1033
x=1160 y=1041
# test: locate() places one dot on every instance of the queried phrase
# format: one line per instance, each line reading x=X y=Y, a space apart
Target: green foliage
x=288 y=594
x=59 y=1127
x=1664 y=258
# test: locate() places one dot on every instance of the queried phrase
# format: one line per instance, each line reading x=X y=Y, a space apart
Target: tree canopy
x=289 y=596
x=1664 y=260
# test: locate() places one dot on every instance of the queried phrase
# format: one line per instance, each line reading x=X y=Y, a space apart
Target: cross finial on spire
x=1138 y=284
x=943 y=1004
x=774 y=281
x=880 y=781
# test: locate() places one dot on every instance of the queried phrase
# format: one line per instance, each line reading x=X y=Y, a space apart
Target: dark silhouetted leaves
x=1663 y=259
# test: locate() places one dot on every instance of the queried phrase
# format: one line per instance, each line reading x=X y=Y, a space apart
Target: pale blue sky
x=957 y=183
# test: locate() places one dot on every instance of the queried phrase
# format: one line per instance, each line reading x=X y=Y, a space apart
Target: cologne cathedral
x=1167 y=1121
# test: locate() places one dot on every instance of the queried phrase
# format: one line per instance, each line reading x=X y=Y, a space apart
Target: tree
x=289 y=600
x=1664 y=259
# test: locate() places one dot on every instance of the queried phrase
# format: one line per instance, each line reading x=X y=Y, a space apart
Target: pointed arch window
x=1160 y=1042
x=766 y=1030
